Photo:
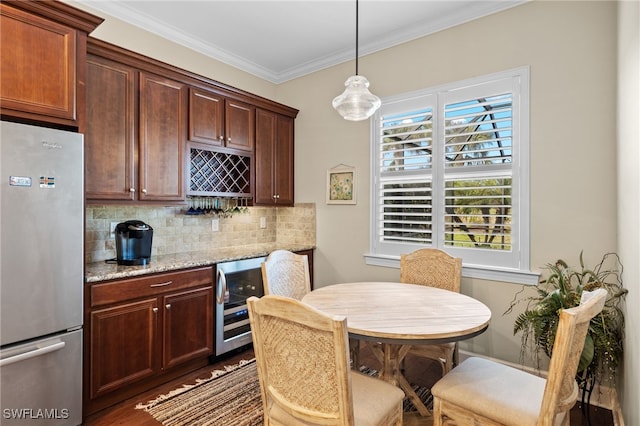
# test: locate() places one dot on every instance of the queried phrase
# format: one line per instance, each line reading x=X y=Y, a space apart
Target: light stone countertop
x=102 y=271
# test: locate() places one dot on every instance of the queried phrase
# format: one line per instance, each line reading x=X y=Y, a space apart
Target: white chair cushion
x=374 y=400
x=493 y=390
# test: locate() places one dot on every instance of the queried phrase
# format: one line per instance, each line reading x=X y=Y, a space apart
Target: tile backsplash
x=176 y=232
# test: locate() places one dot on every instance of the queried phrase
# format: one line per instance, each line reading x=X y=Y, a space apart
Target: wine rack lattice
x=219 y=172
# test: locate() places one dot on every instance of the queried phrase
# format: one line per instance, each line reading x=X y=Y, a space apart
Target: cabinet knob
x=221 y=137
x=228 y=139
x=155 y=310
x=274 y=196
x=132 y=190
x=144 y=191
x=277 y=196
x=168 y=306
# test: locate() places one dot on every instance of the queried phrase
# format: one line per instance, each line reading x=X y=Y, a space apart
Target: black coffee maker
x=133 y=243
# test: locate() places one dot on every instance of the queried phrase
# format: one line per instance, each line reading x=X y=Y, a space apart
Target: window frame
x=512 y=266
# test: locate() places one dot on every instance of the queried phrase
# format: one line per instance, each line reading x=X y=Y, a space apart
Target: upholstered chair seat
x=483 y=392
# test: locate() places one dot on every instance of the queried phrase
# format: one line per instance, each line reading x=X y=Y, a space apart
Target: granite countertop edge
x=101 y=271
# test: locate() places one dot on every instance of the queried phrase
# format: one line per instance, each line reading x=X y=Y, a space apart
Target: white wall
x=629 y=197
x=571 y=50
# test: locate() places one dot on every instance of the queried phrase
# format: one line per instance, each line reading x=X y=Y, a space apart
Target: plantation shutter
x=478 y=172
x=448 y=172
x=405 y=158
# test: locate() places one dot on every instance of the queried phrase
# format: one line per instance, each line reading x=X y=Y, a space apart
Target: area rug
x=230 y=397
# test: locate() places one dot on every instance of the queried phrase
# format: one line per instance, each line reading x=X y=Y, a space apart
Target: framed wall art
x=341 y=185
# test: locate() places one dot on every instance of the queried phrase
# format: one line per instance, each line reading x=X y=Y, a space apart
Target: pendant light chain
x=357 y=21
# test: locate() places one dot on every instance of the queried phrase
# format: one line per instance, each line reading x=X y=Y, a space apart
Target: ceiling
x=282 y=40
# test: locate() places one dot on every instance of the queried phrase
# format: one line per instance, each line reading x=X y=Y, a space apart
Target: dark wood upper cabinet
x=274 y=159
x=141 y=113
x=240 y=125
x=135 y=134
x=162 y=139
x=42 y=71
x=111 y=141
x=206 y=117
x=220 y=121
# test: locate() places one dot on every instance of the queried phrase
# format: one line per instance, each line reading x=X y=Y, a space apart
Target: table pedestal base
x=391 y=356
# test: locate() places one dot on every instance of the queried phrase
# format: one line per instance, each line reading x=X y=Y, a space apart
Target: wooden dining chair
x=286 y=274
x=434 y=268
x=483 y=392
x=303 y=367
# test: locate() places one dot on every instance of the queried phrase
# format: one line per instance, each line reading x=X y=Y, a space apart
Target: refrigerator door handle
x=32 y=354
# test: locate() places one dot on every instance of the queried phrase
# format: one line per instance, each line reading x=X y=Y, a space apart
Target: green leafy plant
x=562 y=289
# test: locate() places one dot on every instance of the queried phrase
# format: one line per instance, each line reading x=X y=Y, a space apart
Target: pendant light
x=356 y=103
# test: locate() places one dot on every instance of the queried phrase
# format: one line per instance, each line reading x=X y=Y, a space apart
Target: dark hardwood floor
x=418 y=371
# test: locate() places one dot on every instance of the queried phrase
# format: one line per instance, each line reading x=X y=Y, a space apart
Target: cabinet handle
x=32 y=353
x=155 y=310
x=221 y=287
x=162 y=284
x=144 y=191
x=132 y=190
x=168 y=306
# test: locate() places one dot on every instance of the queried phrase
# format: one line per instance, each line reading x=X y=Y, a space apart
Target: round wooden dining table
x=399 y=315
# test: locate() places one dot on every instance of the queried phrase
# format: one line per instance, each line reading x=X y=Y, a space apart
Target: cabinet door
x=274 y=159
x=162 y=138
x=283 y=162
x=206 y=117
x=188 y=326
x=239 y=125
x=265 y=153
x=123 y=345
x=110 y=149
x=38 y=66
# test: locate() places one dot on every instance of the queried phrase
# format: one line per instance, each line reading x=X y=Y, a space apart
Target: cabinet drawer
x=133 y=288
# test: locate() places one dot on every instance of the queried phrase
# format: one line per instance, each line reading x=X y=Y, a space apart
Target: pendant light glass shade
x=356 y=102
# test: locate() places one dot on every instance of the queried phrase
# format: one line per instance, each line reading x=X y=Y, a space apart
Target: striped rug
x=230 y=397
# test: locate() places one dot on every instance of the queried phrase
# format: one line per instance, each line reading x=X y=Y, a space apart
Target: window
x=450 y=170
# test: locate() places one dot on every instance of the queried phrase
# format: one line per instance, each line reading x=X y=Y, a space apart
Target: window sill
x=470 y=271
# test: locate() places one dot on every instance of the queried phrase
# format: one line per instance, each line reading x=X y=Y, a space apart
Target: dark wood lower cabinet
x=142 y=332
x=145 y=331
x=188 y=326
x=123 y=342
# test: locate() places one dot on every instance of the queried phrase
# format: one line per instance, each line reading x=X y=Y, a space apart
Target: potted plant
x=562 y=289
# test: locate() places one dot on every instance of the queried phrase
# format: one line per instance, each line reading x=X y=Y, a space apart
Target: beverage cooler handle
x=31 y=354
x=221 y=287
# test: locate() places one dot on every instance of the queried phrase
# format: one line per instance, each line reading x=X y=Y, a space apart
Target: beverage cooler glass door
x=236 y=282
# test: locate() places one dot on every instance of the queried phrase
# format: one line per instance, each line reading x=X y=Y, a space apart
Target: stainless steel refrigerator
x=41 y=275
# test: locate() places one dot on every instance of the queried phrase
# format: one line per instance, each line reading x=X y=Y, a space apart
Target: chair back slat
x=561 y=390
